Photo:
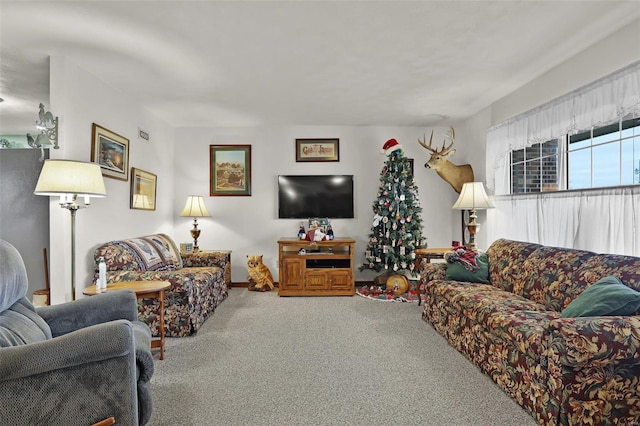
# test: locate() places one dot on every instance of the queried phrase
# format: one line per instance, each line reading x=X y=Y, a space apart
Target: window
x=535 y=168
x=605 y=156
x=601 y=157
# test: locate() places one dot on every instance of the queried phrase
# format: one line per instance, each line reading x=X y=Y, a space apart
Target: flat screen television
x=305 y=196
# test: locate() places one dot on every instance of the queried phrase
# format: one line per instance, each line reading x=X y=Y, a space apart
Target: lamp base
x=195 y=234
x=473 y=228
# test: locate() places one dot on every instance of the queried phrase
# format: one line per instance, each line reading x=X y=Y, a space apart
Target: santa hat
x=390 y=146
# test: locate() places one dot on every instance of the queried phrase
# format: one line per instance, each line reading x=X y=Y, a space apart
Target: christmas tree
x=397 y=222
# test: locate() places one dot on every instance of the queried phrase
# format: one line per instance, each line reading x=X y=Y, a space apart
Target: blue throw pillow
x=608 y=296
x=457 y=272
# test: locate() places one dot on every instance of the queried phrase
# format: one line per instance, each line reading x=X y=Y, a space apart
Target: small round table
x=143 y=290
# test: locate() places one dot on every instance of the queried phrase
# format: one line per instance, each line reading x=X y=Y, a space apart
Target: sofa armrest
x=433 y=271
x=92 y=344
x=79 y=378
x=205 y=258
x=611 y=340
x=81 y=313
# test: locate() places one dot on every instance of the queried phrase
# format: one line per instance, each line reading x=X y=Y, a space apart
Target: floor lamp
x=70 y=180
x=195 y=208
x=473 y=197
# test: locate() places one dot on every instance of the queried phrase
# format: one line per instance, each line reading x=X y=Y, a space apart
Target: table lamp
x=473 y=197
x=70 y=180
x=195 y=208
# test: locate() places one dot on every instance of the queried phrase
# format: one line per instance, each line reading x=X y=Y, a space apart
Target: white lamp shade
x=60 y=177
x=195 y=207
x=473 y=196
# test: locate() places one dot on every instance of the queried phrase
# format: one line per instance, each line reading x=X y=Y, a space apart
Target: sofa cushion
x=458 y=272
x=523 y=330
x=627 y=268
x=21 y=325
x=608 y=296
x=505 y=262
x=550 y=274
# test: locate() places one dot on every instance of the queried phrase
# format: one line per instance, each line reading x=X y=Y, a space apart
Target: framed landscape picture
x=111 y=152
x=230 y=170
x=317 y=150
x=143 y=190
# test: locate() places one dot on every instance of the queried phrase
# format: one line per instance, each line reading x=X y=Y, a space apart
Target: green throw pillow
x=608 y=296
x=457 y=272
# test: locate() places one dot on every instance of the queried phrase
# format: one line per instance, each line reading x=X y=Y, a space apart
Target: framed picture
x=186 y=247
x=143 y=190
x=111 y=152
x=230 y=170
x=410 y=160
x=317 y=150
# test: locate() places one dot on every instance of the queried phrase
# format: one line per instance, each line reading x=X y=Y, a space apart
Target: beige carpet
x=265 y=360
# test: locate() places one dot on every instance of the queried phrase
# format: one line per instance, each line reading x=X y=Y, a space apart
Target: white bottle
x=102 y=275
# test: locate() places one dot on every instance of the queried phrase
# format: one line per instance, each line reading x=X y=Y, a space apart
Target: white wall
x=81 y=99
x=249 y=225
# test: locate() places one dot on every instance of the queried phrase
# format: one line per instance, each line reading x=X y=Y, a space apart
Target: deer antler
x=444 y=149
x=423 y=143
x=452 y=137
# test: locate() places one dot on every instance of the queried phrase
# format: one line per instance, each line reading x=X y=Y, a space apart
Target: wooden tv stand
x=326 y=269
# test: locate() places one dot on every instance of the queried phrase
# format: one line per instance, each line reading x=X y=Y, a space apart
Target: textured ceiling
x=246 y=63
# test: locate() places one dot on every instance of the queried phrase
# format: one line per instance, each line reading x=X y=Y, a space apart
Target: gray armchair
x=71 y=364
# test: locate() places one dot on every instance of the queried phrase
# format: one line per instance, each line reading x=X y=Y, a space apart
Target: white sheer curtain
x=603 y=220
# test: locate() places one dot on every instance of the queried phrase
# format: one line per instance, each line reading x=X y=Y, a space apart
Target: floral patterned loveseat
x=568 y=371
x=199 y=282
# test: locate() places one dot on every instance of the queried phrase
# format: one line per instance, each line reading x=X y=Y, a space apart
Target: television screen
x=301 y=197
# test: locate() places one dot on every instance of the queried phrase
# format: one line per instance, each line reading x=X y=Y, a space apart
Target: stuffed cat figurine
x=260 y=278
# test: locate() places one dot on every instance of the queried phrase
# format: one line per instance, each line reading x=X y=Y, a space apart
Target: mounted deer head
x=456 y=176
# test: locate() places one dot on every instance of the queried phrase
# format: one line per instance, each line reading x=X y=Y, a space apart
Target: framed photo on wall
x=143 y=190
x=111 y=151
x=317 y=150
x=230 y=170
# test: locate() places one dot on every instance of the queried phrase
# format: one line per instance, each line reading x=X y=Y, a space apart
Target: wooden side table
x=143 y=290
x=428 y=254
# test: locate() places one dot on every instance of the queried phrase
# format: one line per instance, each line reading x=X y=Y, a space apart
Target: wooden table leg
x=158 y=342
x=161 y=319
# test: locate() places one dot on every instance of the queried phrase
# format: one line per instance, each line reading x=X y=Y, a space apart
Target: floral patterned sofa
x=199 y=281
x=569 y=371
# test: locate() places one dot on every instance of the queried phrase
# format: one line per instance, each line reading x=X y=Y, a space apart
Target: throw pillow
x=457 y=272
x=608 y=296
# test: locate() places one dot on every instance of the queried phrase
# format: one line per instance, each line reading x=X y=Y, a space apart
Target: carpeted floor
x=265 y=360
